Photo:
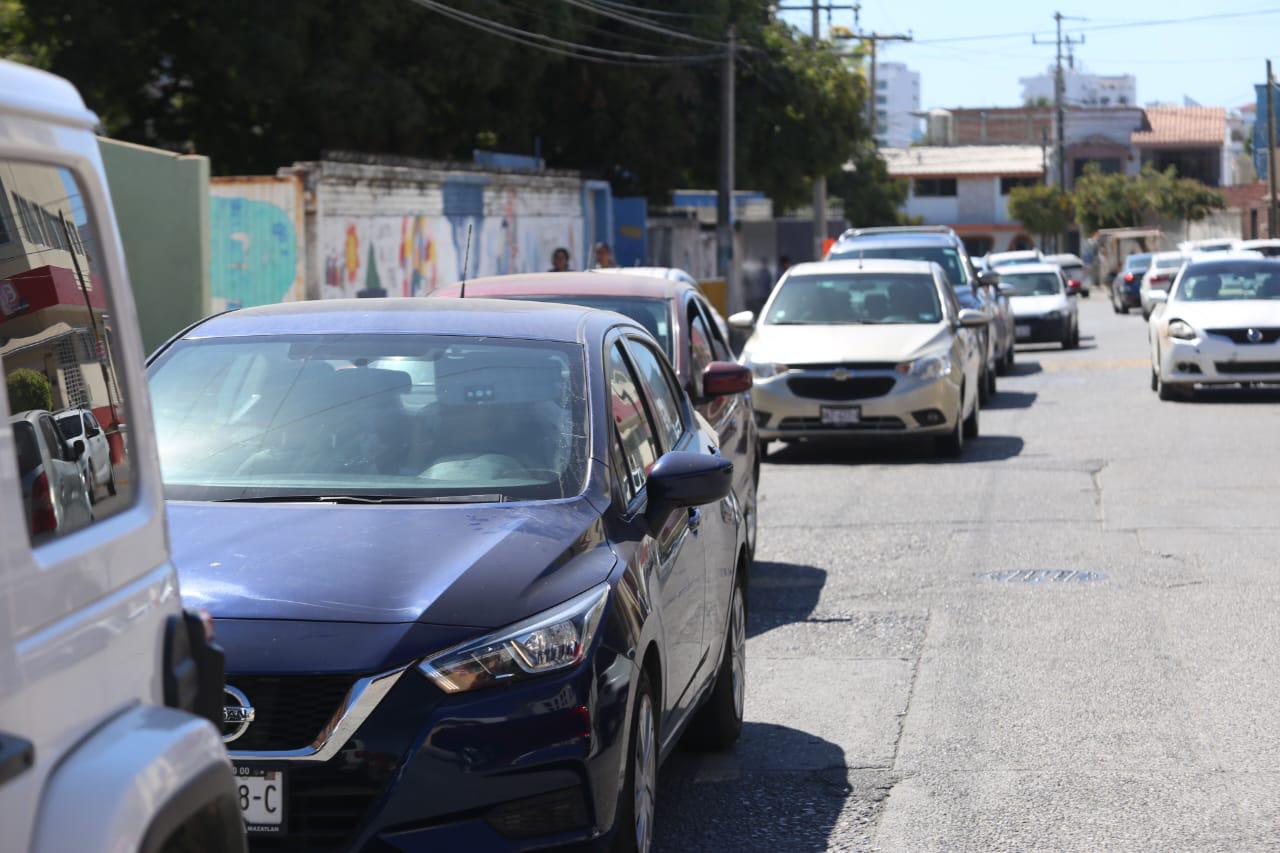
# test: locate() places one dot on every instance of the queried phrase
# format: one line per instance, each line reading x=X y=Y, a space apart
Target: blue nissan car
x=476 y=565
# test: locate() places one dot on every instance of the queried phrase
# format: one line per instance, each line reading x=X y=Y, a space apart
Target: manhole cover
x=1044 y=576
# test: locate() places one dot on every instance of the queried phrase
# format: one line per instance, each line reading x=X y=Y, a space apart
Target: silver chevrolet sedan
x=864 y=349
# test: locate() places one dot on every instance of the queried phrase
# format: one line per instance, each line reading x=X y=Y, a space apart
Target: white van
x=109 y=691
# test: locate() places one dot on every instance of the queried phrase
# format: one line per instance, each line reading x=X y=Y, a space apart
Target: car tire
x=970 y=428
x=1155 y=380
x=751 y=518
x=719 y=721
x=951 y=445
x=1009 y=356
x=89 y=489
x=991 y=383
x=637 y=803
x=984 y=388
x=1115 y=306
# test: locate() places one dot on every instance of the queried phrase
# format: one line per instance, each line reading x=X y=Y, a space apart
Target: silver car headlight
x=766 y=369
x=553 y=640
x=927 y=368
x=1181 y=330
x=1053 y=315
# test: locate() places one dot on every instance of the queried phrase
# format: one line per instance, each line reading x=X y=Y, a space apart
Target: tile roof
x=1182 y=127
x=951 y=160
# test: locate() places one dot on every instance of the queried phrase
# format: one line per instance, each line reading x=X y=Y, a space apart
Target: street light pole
x=724 y=200
x=819 y=181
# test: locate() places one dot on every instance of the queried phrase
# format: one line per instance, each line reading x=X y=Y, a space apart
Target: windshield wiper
x=494 y=497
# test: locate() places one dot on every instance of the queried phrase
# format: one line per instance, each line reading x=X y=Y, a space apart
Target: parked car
x=671 y=274
x=1158 y=276
x=1218 y=325
x=995 y=260
x=89 y=442
x=690 y=332
x=1043 y=303
x=1074 y=269
x=1266 y=248
x=974 y=290
x=109 y=691
x=490 y=541
x=866 y=349
x=1213 y=244
x=1127 y=285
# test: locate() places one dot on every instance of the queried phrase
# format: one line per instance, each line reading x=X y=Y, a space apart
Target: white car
x=111 y=695
x=997 y=260
x=80 y=427
x=1267 y=247
x=1074 y=269
x=1218 y=325
x=1213 y=244
x=1044 y=305
x=1159 y=276
x=865 y=349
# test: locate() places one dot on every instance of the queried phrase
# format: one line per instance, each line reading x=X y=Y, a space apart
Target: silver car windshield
x=373 y=416
x=1223 y=282
x=944 y=256
x=1032 y=283
x=856 y=298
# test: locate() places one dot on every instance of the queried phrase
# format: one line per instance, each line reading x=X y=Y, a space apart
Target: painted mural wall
x=405 y=231
x=258 y=241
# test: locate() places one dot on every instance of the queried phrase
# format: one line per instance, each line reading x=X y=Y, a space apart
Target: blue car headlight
x=552 y=640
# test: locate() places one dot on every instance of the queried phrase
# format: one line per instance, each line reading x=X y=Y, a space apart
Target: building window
x=882 y=100
x=882 y=84
x=1007 y=184
x=934 y=187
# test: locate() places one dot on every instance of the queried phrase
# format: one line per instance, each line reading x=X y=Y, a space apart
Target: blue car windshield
x=383 y=416
x=1220 y=282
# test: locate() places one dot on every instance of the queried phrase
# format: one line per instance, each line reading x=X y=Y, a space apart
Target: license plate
x=1022 y=331
x=841 y=415
x=261 y=794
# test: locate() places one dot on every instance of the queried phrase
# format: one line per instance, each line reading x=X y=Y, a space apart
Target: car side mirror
x=744 y=320
x=1157 y=296
x=77 y=449
x=722 y=378
x=680 y=479
x=988 y=278
x=972 y=318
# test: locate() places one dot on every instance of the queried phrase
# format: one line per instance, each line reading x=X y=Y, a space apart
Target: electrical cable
x=1118 y=26
x=657 y=13
x=605 y=12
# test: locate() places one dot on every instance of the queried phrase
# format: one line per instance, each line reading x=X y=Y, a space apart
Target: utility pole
x=1059 y=101
x=819 y=181
x=1271 y=152
x=724 y=200
x=875 y=38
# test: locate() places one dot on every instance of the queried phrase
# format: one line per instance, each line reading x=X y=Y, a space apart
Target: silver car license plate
x=841 y=415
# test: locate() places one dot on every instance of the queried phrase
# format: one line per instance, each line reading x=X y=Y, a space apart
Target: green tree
x=871 y=196
x=1184 y=199
x=1042 y=209
x=1110 y=201
x=28 y=389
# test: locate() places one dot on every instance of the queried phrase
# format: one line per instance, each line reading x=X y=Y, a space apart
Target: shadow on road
x=1236 y=395
x=903 y=451
x=781 y=788
x=1025 y=368
x=1012 y=400
x=781 y=593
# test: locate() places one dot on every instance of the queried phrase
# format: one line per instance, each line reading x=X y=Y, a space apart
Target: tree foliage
x=258 y=85
x=1042 y=209
x=871 y=196
x=28 y=389
x=1123 y=201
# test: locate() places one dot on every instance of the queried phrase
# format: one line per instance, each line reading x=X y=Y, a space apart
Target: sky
x=1214 y=62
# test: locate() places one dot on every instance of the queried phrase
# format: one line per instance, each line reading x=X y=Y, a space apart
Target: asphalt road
x=899 y=700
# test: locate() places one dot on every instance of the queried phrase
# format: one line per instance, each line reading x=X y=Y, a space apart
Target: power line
x=1154 y=22
x=643 y=24
x=561 y=47
x=656 y=13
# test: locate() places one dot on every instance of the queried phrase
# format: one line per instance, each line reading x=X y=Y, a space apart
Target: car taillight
x=1156 y=278
x=42 y=515
x=1128 y=277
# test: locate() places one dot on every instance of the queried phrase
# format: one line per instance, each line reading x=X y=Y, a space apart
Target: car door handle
x=695 y=519
x=16 y=755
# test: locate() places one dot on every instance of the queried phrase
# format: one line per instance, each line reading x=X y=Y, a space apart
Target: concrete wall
x=161 y=202
x=257 y=230
x=403 y=229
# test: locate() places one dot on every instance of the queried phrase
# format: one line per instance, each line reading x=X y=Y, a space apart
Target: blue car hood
x=480 y=566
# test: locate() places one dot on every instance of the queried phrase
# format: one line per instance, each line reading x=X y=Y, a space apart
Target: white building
x=967 y=187
x=897 y=97
x=1082 y=89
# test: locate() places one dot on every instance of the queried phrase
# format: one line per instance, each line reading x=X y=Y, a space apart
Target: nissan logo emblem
x=237 y=714
x=1254 y=336
x=840 y=374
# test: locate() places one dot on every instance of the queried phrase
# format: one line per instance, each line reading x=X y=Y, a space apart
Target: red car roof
x=566 y=283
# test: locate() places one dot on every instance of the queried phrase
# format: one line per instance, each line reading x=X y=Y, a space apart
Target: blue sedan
x=476 y=565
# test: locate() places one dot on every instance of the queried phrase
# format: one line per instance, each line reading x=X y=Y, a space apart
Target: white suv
x=109 y=691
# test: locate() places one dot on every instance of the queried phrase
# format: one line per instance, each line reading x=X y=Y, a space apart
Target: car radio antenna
x=466 y=259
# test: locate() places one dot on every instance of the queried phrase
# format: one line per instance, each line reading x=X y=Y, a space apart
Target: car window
x=90 y=425
x=1033 y=283
x=1137 y=262
x=953 y=303
x=945 y=256
x=719 y=347
x=856 y=298
x=1220 y=282
x=71 y=426
x=24 y=436
x=58 y=348
x=630 y=422
x=700 y=353
x=377 y=415
x=653 y=314
x=661 y=391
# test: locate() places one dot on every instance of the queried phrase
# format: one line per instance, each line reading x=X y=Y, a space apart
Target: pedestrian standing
x=560 y=260
x=604 y=256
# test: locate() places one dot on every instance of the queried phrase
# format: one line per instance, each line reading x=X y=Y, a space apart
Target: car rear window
x=70 y=426
x=653 y=314
x=1168 y=263
x=1033 y=283
x=24 y=435
x=943 y=256
x=1137 y=262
